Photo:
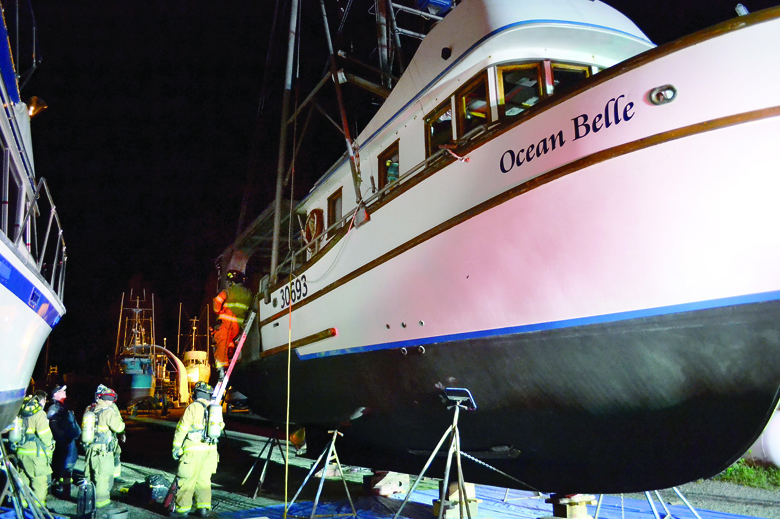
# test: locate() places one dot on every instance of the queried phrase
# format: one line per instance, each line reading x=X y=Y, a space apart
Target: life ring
x=313 y=229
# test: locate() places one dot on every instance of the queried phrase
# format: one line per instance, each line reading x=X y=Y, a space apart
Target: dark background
x=154 y=130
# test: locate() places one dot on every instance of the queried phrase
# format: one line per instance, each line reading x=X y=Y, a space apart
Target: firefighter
x=99 y=460
x=35 y=445
x=65 y=430
x=195 y=448
x=231 y=305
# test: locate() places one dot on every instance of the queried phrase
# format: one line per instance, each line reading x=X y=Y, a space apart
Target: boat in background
x=549 y=211
x=144 y=373
x=32 y=245
x=196 y=351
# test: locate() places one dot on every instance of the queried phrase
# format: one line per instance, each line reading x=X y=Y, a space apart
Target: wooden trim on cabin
x=316 y=337
x=572 y=167
x=549 y=101
x=545 y=104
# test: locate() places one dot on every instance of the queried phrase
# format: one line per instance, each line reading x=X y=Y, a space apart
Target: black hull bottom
x=626 y=406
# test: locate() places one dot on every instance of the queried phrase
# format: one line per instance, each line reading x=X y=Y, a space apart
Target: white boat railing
x=292 y=261
x=49 y=262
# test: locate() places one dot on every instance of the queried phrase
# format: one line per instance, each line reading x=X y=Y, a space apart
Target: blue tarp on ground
x=8 y=513
x=518 y=505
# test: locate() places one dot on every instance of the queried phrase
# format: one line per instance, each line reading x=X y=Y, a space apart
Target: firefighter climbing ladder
x=219 y=391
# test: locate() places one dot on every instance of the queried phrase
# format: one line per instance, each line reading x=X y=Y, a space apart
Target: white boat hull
x=609 y=294
x=28 y=311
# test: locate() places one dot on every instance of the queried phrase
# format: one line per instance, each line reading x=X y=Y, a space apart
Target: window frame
x=567 y=66
x=330 y=218
x=433 y=115
x=392 y=150
x=540 y=81
x=460 y=102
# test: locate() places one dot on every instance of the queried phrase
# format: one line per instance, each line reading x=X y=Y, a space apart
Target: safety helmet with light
x=30 y=406
x=105 y=393
x=202 y=390
x=235 y=276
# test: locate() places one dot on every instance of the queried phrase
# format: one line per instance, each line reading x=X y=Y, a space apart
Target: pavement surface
x=147 y=453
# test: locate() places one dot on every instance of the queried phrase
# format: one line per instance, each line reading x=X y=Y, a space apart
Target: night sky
x=146 y=144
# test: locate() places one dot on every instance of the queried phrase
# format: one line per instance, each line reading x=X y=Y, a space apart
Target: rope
x=458 y=157
x=472 y=458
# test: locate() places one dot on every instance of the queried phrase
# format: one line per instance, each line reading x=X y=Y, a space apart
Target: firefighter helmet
x=235 y=276
x=202 y=390
x=30 y=406
x=105 y=393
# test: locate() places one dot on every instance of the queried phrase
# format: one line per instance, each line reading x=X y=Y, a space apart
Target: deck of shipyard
x=148 y=447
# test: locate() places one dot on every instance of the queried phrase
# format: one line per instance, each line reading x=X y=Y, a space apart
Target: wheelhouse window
x=565 y=76
x=519 y=88
x=334 y=210
x=438 y=128
x=388 y=165
x=472 y=105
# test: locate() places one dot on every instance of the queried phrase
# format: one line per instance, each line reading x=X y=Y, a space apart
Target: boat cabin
x=482 y=69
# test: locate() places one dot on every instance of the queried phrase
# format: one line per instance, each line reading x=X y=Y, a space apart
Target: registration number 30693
x=294 y=291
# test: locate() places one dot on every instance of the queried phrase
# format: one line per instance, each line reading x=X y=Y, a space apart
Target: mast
x=178 y=334
x=344 y=123
x=383 y=37
x=291 y=37
x=119 y=326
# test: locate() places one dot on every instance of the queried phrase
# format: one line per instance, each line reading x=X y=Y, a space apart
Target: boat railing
x=296 y=257
x=50 y=262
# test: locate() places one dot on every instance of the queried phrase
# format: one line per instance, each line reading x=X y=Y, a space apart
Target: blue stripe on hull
x=557 y=325
x=16 y=282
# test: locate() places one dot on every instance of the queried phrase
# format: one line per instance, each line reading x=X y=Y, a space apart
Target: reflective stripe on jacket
x=190 y=432
x=233 y=303
x=108 y=423
x=38 y=438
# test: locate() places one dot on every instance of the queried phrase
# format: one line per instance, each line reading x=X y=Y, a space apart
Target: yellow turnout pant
x=99 y=468
x=35 y=473
x=196 y=466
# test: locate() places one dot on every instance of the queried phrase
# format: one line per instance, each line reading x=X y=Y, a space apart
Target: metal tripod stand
x=652 y=505
x=330 y=449
x=457 y=399
x=273 y=441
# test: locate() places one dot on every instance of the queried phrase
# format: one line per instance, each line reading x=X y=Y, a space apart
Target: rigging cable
x=292 y=266
x=344 y=18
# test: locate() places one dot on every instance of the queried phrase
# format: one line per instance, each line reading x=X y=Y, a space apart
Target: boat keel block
x=571 y=506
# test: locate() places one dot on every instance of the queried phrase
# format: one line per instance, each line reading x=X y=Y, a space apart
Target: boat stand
x=24 y=502
x=330 y=449
x=652 y=504
x=458 y=398
x=571 y=506
x=273 y=441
